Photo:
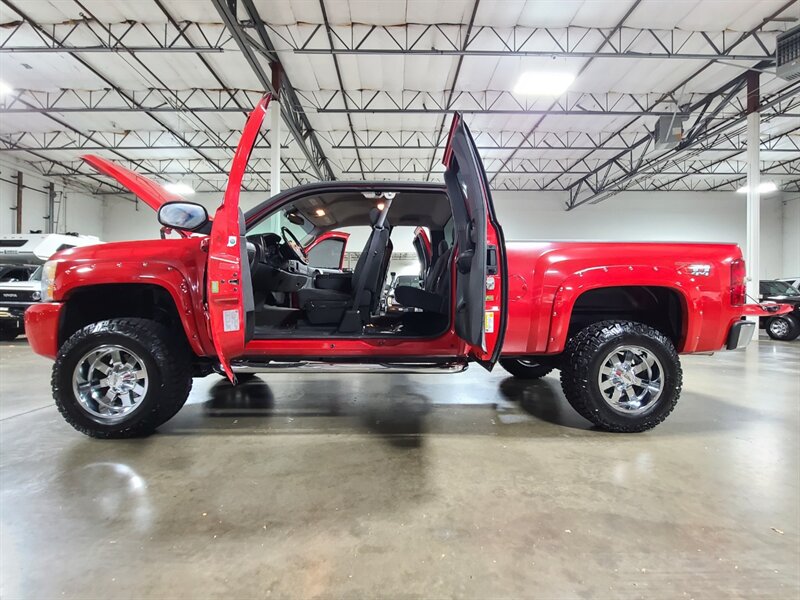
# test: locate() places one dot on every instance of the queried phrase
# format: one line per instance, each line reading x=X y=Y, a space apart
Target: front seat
x=435 y=294
x=328 y=306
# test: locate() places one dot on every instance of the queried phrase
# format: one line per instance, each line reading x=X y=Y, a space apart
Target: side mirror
x=183 y=215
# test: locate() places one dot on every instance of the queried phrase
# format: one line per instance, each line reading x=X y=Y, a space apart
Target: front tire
x=784 y=328
x=622 y=376
x=526 y=368
x=121 y=378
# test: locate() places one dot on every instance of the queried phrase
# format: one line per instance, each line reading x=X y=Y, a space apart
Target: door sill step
x=243 y=366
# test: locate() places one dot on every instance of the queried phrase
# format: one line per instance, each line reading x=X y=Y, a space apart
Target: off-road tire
x=787 y=333
x=582 y=360
x=521 y=370
x=168 y=366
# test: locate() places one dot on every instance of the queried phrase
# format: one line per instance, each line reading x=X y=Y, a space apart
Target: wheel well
x=659 y=307
x=95 y=303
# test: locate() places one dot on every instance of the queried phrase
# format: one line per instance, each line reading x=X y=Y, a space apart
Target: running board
x=244 y=366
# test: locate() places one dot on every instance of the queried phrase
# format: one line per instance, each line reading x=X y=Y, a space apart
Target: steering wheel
x=294 y=244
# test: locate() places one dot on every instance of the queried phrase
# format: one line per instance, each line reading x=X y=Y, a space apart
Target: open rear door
x=229 y=289
x=481 y=271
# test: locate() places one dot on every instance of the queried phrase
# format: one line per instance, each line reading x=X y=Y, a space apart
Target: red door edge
x=228 y=277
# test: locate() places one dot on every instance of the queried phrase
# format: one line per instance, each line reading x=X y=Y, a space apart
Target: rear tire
x=621 y=376
x=524 y=368
x=121 y=378
x=784 y=328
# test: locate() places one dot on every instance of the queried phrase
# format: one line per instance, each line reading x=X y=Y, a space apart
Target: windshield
x=274 y=223
x=36 y=275
x=412 y=280
x=778 y=288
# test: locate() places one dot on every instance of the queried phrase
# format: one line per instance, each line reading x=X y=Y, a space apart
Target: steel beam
x=741 y=39
x=421 y=39
x=163 y=38
x=608 y=186
x=293 y=114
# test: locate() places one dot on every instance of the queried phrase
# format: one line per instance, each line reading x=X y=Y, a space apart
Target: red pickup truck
x=130 y=324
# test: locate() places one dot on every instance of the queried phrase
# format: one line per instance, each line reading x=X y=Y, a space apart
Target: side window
x=450 y=233
x=326 y=255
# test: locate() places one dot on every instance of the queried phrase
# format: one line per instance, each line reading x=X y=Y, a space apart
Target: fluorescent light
x=179 y=188
x=543 y=83
x=765 y=188
x=319 y=212
x=5 y=89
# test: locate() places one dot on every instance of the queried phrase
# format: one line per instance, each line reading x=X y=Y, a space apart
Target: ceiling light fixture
x=5 y=89
x=543 y=83
x=380 y=205
x=319 y=212
x=765 y=188
x=179 y=188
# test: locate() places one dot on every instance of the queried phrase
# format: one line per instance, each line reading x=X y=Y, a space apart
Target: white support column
x=275 y=154
x=753 y=195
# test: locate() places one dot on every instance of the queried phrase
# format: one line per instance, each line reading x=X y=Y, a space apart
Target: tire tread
x=169 y=354
x=578 y=354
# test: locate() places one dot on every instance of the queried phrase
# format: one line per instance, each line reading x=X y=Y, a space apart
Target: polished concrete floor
x=473 y=485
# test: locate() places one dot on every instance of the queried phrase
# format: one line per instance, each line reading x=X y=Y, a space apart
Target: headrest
x=443 y=247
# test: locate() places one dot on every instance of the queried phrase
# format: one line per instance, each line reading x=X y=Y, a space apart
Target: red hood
x=147 y=190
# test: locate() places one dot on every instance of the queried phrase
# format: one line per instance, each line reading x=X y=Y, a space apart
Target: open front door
x=481 y=272
x=229 y=289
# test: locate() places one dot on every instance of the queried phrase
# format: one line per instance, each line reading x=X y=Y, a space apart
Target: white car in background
x=21 y=257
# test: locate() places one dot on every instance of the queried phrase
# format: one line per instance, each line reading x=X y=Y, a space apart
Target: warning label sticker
x=230 y=320
x=488 y=325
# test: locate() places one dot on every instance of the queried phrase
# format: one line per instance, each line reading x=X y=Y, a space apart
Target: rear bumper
x=740 y=335
x=41 y=327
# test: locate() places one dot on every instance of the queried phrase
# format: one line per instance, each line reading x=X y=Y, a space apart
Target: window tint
x=326 y=255
x=450 y=233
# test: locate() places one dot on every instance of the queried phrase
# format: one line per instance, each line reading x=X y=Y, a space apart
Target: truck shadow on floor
x=403 y=411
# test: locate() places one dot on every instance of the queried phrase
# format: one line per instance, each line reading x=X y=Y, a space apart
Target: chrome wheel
x=779 y=327
x=631 y=379
x=110 y=382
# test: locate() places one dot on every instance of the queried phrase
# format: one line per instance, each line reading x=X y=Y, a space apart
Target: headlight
x=48 y=279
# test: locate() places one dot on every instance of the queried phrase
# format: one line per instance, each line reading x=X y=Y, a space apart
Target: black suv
x=782 y=327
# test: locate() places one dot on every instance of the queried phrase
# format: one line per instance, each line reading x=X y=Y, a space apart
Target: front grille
x=17 y=296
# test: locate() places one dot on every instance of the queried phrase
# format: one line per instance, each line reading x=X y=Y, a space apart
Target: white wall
x=646 y=216
x=791 y=237
x=679 y=216
x=79 y=212
x=125 y=219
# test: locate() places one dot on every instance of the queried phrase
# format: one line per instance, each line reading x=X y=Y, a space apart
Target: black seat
x=435 y=294
x=328 y=306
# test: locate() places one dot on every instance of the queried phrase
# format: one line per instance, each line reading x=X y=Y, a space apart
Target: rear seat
x=435 y=295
